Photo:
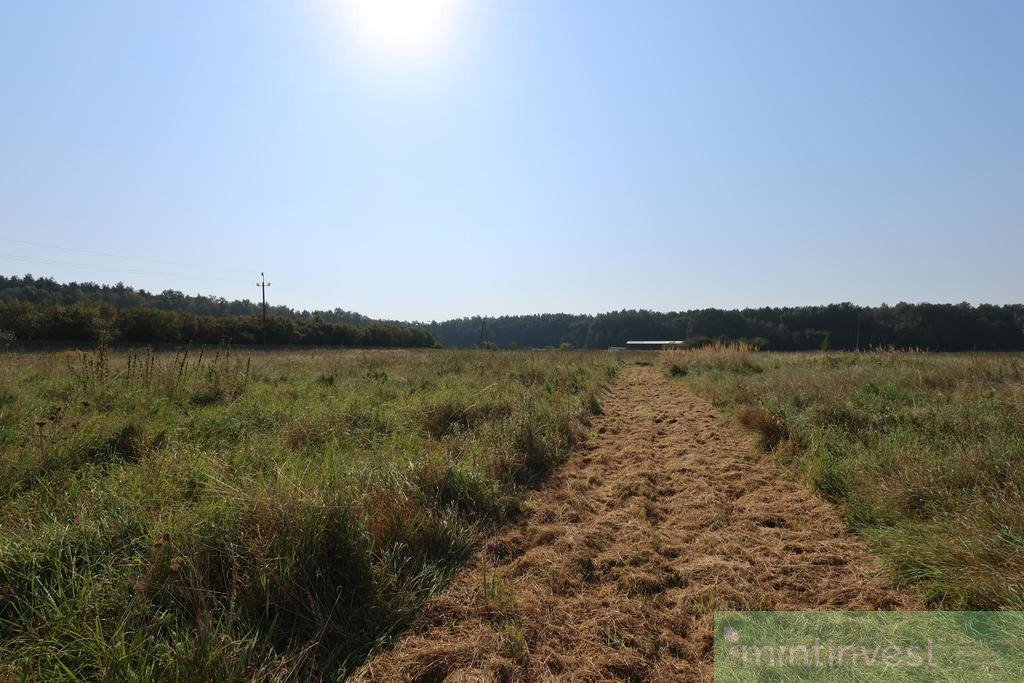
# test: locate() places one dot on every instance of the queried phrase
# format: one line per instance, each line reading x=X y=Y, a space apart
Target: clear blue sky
x=520 y=156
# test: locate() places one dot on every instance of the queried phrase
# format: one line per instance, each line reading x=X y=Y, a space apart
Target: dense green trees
x=939 y=327
x=44 y=309
x=87 y=322
x=49 y=292
x=41 y=308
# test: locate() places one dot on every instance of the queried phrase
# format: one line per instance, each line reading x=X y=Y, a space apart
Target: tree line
x=89 y=322
x=47 y=292
x=42 y=308
x=938 y=327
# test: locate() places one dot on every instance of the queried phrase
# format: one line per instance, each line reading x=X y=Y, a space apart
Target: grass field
x=924 y=452
x=232 y=516
x=218 y=516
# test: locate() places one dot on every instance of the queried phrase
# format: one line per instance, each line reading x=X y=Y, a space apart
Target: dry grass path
x=617 y=565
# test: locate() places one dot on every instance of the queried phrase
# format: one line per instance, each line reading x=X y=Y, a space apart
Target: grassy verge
x=216 y=517
x=924 y=452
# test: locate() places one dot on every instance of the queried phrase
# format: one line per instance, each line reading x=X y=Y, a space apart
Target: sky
x=428 y=159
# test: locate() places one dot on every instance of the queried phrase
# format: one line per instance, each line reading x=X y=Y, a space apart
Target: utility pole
x=263 y=284
x=483 y=323
x=858 y=330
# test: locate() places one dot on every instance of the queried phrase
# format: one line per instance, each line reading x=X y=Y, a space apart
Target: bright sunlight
x=402 y=28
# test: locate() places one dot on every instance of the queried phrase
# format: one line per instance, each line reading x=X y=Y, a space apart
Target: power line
x=122 y=256
x=45 y=260
x=263 y=284
x=85 y=266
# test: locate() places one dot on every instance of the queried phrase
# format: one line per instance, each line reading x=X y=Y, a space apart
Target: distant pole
x=263 y=284
x=858 y=330
x=483 y=322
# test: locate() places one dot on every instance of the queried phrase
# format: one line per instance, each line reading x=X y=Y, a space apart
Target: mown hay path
x=617 y=565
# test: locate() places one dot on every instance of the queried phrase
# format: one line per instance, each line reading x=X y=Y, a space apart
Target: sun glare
x=402 y=28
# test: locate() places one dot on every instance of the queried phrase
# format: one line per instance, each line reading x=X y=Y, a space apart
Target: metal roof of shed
x=654 y=342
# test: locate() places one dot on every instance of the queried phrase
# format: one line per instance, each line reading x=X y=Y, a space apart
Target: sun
x=402 y=28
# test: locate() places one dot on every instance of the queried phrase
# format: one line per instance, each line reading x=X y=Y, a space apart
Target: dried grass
x=732 y=356
x=615 y=569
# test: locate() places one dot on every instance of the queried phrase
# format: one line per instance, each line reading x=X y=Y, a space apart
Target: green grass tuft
x=923 y=451
x=210 y=516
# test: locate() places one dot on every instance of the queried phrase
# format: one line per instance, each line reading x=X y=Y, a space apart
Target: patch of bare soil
x=617 y=566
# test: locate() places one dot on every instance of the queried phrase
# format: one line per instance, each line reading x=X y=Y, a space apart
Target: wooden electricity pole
x=263 y=284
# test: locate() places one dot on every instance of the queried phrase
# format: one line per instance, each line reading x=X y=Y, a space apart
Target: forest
x=43 y=309
x=88 y=313
x=937 y=327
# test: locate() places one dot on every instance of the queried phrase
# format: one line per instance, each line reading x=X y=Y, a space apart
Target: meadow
x=215 y=514
x=923 y=452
